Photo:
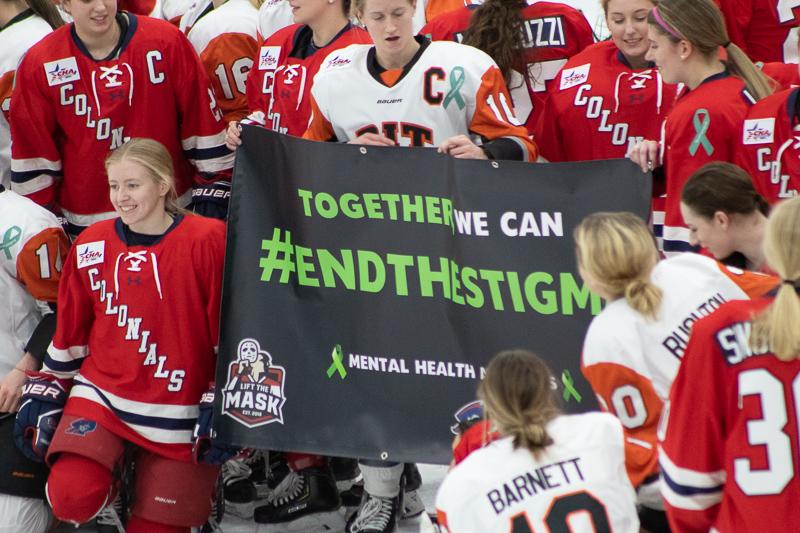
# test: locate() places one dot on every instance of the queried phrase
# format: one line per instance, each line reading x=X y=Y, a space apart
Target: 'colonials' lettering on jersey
x=677 y=340
x=596 y=105
x=734 y=341
x=529 y=484
x=132 y=324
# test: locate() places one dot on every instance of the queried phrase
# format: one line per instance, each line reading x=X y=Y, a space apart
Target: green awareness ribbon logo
x=456 y=78
x=11 y=237
x=701 y=122
x=569 y=387
x=337 y=365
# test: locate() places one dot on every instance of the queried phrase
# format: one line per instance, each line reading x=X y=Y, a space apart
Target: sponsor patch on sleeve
x=574 y=76
x=268 y=57
x=90 y=253
x=758 y=131
x=62 y=71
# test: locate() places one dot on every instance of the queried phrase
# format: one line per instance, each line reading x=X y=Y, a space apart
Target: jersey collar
x=624 y=60
x=303 y=42
x=131 y=238
x=127 y=23
x=375 y=69
x=18 y=18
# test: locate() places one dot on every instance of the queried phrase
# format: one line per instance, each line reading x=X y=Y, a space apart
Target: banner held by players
x=366 y=288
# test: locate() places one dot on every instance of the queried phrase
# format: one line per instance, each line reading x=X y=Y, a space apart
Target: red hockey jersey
x=599 y=107
x=552 y=33
x=138 y=328
x=279 y=87
x=770 y=146
x=729 y=437
x=786 y=75
x=225 y=40
x=703 y=126
x=766 y=29
x=68 y=111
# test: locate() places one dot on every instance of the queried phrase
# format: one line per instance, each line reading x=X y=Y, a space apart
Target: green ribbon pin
x=337 y=365
x=569 y=387
x=457 y=78
x=701 y=122
x=10 y=238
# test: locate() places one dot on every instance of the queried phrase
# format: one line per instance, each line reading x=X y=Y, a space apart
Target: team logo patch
x=574 y=76
x=253 y=393
x=759 y=131
x=338 y=62
x=81 y=427
x=268 y=57
x=90 y=253
x=62 y=71
x=466 y=416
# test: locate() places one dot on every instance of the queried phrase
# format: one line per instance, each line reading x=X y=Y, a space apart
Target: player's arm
x=630 y=397
x=494 y=120
x=202 y=130
x=692 y=437
x=70 y=345
x=35 y=157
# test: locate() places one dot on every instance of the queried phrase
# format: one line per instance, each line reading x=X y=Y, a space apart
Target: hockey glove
x=211 y=200
x=41 y=407
x=205 y=448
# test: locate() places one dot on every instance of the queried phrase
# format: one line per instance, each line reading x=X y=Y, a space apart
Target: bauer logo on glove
x=42 y=404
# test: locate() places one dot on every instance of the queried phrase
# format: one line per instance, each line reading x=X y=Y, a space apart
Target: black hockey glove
x=41 y=407
x=211 y=200
x=205 y=448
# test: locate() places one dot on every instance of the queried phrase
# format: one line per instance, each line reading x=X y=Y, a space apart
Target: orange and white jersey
x=32 y=250
x=273 y=15
x=631 y=361
x=225 y=40
x=21 y=32
x=447 y=89
x=576 y=484
x=174 y=10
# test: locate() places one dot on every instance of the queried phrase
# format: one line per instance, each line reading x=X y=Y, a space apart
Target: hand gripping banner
x=366 y=288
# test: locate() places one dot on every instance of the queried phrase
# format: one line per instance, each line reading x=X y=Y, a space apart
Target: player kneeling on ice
x=547 y=471
x=133 y=353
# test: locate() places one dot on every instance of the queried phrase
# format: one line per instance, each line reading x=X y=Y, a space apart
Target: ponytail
x=496 y=28
x=47 y=10
x=701 y=23
x=518 y=396
x=643 y=297
x=778 y=327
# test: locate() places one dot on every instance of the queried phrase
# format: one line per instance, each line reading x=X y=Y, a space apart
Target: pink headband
x=664 y=25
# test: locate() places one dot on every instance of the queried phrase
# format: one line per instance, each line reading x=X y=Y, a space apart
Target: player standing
x=548 y=471
x=136 y=341
x=529 y=41
x=633 y=348
x=22 y=24
x=704 y=125
x=225 y=40
x=736 y=396
x=32 y=252
x=90 y=85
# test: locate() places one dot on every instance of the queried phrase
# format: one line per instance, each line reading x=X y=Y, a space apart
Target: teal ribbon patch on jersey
x=569 y=387
x=337 y=365
x=11 y=237
x=701 y=122
x=457 y=78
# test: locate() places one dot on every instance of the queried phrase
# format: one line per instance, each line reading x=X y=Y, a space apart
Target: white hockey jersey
x=447 y=89
x=32 y=250
x=576 y=484
x=631 y=361
x=273 y=15
x=225 y=40
x=21 y=32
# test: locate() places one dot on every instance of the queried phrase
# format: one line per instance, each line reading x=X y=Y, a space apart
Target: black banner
x=366 y=288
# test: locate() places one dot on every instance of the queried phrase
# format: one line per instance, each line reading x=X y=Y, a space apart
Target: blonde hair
x=779 y=325
x=518 y=397
x=618 y=251
x=156 y=159
x=701 y=23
